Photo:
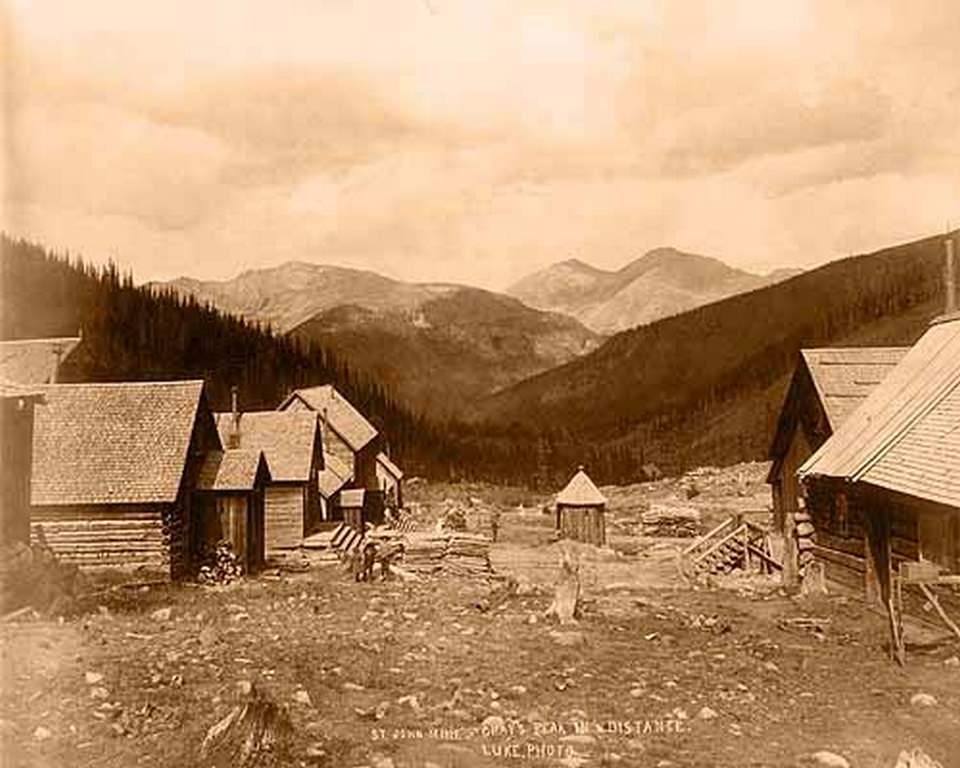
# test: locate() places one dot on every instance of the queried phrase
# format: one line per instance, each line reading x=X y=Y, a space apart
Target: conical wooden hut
x=581 y=510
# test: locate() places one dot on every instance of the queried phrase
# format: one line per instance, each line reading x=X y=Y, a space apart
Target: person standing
x=494 y=524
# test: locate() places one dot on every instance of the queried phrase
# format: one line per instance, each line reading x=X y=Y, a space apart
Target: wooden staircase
x=735 y=544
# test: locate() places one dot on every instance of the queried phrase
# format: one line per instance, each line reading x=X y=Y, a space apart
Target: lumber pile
x=423 y=553
x=675 y=522
x=467 y=555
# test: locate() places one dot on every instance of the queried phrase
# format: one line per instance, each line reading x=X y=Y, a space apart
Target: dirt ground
x=467 y=672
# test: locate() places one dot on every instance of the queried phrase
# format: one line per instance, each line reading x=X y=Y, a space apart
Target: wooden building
x=17 y=404
x=827 y=386
x=230 y=504
x=334 y=477
x=352 y=502
x=581 y=511
x=115 y=467
x=35 y=361
x=293 y=448
x=346 y=432
x=390 y=479
x=885 y=488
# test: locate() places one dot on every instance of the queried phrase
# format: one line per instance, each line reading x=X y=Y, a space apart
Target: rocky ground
x=459 y=672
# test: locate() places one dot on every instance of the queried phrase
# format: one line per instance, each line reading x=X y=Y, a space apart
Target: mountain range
x=661 y=283
x=706 y=386
x=438 y=347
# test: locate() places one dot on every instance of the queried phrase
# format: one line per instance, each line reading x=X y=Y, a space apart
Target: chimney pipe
x=234 y=441
x=950 y=277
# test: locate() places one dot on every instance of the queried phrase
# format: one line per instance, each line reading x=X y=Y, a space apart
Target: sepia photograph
x=480 y=384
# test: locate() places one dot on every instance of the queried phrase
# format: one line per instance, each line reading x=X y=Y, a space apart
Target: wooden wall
x=365 y=466
x=16 y=449
x=838 y=512
x=586 y=524
x=284 y=510
x=122 y=535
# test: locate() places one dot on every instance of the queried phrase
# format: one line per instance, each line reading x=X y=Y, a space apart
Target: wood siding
x=16 y=448
x=128 y=536
x=284 y=509
x=586 y=524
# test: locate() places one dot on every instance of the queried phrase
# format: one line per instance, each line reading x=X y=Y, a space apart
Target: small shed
x=581 y=511
x=351 y=507
x=230 y=504
x=293 y=449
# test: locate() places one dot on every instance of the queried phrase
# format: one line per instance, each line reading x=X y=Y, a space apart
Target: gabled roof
x=392 y=469
x=342 y=417
x=113 y=443
x=232 y=470
x=287 y=439
x=905 y=437
x=845 y=376
x=34 y=361
x=580 y=492
x=334 y=476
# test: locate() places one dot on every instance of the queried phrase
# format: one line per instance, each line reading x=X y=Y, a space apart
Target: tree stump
x=256 y=734
x=566 y=601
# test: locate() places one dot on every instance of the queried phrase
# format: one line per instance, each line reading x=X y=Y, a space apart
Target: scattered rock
x=829 y=759
x=636 y=692
x=99 y=692
x=916 y=758
x=381 y=761
x=518 y=690
x=300 y=696
x=352 y=687
x=42 y=733
x=93 y=678
x=162 y=614
x=411 y=701
x=923 y=700
x=568 y=638
x=953 y=661
x=706 y=713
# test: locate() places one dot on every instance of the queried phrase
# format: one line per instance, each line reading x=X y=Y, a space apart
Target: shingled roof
x=113 y=443
x=34 y=361
x=905 y=437
x=343 y=418
x=334 y=476
x=232 y=470
x=580 y=492
x=287 y=439
x=844 y=377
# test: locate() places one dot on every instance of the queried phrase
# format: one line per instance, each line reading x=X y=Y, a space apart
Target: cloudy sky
x=477 y=140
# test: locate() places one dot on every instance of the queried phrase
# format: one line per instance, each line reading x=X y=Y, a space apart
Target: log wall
x=129 y=536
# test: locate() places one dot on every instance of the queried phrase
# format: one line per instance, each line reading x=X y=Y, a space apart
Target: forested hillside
x=132 y=333
x=705 y=386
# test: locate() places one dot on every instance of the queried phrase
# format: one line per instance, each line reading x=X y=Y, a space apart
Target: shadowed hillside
x=705 y=386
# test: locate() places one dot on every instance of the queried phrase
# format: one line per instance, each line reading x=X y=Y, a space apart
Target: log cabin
x=885 y=488
x=292 y=445
x=114 y=472
x=581 y=511
x=827 y=386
